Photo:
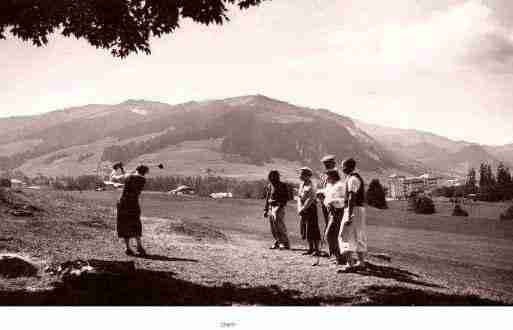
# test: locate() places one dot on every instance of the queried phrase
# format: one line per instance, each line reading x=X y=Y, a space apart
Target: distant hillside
x=248 y=134
x=435 y=152
x=504 y=152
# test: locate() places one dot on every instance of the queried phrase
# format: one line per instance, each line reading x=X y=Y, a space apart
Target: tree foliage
x=508 y=214
x=493 y=188
x=123 y=26
x=376 y=195
x=459 y=211
x=421 y=204
x=471 y=183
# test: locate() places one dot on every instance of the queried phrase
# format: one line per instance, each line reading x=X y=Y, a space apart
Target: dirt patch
x=96 y=223
x=10 y=243
x=198 y=231
x=12 y=266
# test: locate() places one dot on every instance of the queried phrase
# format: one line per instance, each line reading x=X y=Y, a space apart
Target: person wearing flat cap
x=307 y=211
x=277 y=196
x=330 y=163
x=353 y=233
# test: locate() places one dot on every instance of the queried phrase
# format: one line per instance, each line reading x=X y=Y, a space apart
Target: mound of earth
x=12 y=266
x=198 y=231
x=18 y=203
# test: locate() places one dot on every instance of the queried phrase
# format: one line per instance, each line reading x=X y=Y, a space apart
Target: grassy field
x=466 y=245
x=220 y=246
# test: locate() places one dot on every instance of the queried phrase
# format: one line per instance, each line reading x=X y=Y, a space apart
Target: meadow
x=215 y=252
x=466 y=252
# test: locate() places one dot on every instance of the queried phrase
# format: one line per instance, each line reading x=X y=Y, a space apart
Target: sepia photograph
x=256 y=153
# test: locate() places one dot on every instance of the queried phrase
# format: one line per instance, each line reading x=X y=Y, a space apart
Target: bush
x=422 y=204
x=459 y=212
x=376 y=195
x=508 y=215
x=4 y=182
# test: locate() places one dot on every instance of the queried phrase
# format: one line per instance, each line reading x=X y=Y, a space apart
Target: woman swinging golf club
x=128 y=208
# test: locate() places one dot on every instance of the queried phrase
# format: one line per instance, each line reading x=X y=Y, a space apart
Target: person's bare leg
x=128 y=250
x=361 y=259
x=140 y=248
x=310 y=248
x=316 y=248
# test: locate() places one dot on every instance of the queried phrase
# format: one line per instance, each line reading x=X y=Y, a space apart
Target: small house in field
x=220 y=195
x=182 y=190
x=17 y=184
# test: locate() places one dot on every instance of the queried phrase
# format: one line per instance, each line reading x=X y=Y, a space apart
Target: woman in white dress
x=353 y=231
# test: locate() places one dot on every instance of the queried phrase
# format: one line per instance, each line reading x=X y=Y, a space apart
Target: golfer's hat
x=306 y=170
x=328 y=158
x=117 y=165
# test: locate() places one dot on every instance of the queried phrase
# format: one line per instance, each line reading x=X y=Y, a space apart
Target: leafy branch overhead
x=123 y=26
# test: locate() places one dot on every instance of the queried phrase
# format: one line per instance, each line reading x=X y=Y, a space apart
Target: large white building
x=400 y=187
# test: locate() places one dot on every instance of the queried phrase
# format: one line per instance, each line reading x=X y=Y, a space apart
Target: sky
x=443 y=66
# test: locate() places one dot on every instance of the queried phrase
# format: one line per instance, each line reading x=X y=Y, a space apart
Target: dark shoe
x=284 y=247
x=274 y=246
x=141 y=251
x=129 y=252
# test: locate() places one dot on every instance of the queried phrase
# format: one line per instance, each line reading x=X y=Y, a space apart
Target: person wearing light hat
x=307 y=211
x=353 y=233
x=330 y=163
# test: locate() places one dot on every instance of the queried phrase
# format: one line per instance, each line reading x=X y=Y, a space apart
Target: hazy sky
x=440 y=66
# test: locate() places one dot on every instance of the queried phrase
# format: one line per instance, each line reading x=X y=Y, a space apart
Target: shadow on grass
x=164 y=258
x=120 y=284
x=403 y=296
x=388 y=272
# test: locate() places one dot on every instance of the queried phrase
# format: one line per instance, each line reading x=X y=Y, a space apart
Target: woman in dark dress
x=129 y=211
x=307 y=210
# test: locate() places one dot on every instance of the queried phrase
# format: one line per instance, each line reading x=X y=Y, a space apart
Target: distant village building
x=15 y=183
x=182 y=190
x=400 y=187
x=455 y=182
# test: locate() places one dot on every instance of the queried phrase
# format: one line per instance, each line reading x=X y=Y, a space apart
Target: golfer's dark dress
x=129 y=211
x=309 y=224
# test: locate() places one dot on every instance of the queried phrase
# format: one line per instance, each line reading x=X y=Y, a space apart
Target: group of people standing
x=341 y=201
x=342 y=204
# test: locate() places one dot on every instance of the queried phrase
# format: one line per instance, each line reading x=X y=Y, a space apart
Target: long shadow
x=120 y=284
x=403 y=296
x=388 y=272
x=164 y=258
x=298 y=249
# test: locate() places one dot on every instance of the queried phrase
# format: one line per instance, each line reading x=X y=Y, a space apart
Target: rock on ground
x=12 y=266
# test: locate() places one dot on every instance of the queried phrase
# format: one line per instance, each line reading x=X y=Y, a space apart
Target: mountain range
x=242 y=137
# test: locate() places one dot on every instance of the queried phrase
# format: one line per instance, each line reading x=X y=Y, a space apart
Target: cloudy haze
x=439 y=66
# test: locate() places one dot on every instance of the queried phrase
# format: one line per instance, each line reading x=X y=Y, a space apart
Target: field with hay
x=215 y=252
